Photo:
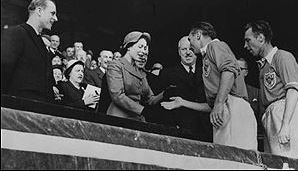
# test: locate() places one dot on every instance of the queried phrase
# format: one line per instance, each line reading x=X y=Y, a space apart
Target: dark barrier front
x=41 y=136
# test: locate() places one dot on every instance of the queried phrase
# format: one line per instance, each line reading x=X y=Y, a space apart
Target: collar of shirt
x=34 y=29
x=102 y=69
x=204 y=49
x=52 y=50
x=267 y=58
x=187 y=67
x=271 y=54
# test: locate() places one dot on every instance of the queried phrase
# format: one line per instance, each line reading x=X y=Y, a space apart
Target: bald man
x=187 y=77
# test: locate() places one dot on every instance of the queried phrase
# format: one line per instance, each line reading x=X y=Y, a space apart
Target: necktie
x=191 y=74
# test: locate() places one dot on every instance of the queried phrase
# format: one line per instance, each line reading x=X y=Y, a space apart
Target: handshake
x=151 y=110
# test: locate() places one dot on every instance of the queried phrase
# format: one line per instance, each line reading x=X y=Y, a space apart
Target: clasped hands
x=216 y=115
x=57 y=94
x=91 y=99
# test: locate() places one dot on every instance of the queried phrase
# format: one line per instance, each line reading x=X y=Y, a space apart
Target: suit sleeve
x=11 y=50
x=117 y=90
x=149 y=96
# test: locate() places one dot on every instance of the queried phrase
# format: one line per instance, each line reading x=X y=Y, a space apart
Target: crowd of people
x=204 y=94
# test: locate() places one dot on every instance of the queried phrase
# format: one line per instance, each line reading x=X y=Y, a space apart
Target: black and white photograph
x=149 y=85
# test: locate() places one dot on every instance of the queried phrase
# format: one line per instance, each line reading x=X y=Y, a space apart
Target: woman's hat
x=60 y=67
x=134 y=37
x=70 y=65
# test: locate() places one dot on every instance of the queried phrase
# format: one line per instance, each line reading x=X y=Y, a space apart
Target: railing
x=43 y=136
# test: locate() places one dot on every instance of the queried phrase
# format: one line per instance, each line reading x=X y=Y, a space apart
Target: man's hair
x=38 y=3
x=206 y=28
x=261 y=27
x=78 y=42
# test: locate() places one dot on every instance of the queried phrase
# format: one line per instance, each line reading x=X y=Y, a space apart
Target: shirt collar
x=187 y=67
x=270 y=55
x=102 y=69
x=204 y=49
x=53 y=50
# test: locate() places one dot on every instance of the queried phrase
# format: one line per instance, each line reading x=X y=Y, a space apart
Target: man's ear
x=39 y=11
x=198 y=35
x=261 y=38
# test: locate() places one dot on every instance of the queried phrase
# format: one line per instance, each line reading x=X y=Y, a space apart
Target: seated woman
x=73 y=89
x=126 y=79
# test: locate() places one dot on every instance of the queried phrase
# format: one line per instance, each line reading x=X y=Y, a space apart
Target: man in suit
x=55 y=42
x=26 y=69
x=93 y=76
x=186 y=76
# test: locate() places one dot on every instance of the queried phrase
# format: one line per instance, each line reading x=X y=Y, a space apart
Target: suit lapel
x=183 y=74
x=99 y=72
x=182 y=70
x=41 y=47
x=131 y=69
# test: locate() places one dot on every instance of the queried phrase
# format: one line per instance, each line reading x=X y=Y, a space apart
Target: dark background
x=102 y=24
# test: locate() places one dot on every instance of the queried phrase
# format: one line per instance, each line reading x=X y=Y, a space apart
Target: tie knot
x=190 y=68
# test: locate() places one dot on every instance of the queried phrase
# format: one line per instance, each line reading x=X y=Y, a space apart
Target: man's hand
x=284 y=134
x=176 y=103
x=217 y=114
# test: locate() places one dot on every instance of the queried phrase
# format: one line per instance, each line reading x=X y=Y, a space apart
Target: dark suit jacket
x=105 y=98
x=93 y=77
x=191 y=90
x=26 y=69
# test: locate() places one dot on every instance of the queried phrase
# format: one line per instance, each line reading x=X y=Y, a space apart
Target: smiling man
x=187 y=77
x=279 y=89
x=25 y=65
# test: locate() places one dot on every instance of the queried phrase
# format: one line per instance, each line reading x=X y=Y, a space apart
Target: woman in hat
x=126 y=79
x=73 y=89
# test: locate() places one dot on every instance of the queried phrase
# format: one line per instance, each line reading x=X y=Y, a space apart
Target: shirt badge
x=206 y=67
x=270 y=79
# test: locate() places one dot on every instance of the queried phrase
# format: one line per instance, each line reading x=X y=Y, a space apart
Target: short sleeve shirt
x=217 y=59
x=279 y=73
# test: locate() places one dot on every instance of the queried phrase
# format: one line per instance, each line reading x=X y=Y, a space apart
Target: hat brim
x=68 y=70
x=144 y=34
